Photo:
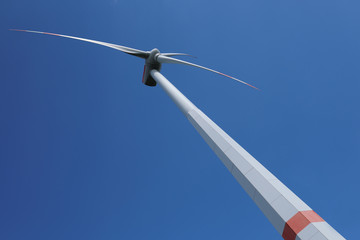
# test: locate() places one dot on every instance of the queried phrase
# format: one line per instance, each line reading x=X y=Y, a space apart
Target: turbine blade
x=165 y=59
x=131 y=51
x=177 y=54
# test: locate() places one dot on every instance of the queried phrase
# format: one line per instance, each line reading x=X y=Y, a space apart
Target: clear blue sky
x=88 y=152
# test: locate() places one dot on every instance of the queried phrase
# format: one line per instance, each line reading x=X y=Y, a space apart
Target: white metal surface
x=290 y=216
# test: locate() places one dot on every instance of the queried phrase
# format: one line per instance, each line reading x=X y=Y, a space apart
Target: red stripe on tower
x=298 y=222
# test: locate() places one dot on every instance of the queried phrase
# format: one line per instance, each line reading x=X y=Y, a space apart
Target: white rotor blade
x=164 y=59
x=127 y=50
x=177 y=54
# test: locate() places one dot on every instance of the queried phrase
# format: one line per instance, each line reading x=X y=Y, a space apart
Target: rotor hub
x=150 y=64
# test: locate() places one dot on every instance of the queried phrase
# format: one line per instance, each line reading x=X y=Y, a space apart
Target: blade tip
x=255 y=87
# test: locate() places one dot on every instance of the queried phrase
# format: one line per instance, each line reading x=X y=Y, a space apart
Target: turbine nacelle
x=150 y=64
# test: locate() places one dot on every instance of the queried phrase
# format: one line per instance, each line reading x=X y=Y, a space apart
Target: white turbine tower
x=290 y=216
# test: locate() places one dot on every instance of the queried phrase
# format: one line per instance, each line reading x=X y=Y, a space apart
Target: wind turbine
x=290 y=216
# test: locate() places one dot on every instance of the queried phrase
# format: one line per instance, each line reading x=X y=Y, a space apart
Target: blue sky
x=88 y=152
